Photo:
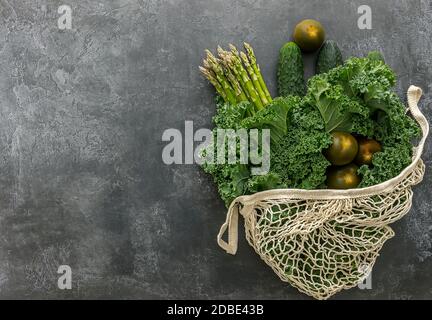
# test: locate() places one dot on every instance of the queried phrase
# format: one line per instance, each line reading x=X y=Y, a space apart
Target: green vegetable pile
x=356 y=97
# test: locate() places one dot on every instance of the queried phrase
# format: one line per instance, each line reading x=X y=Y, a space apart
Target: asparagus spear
x=232 y=79
x=217 y=69
x=237 y=66
x=212 y=79
x=241 y=96
x=225 y=58
x=254 y=78
x=257 y=70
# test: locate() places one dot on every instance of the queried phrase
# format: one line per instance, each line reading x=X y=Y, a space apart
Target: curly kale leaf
x=386 y=165
x=362 y=125
x=229 y=116
x=236 y=180
x=273 y=117
x=394 y=126
x=244 y=115
x=367 y=78
x=266 y=182
x=335 y=107
x=396 y=131
x=298 y=158
x=231 y=180
x=349 y=95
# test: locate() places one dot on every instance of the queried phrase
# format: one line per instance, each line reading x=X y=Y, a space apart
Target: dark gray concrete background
x=81 y=118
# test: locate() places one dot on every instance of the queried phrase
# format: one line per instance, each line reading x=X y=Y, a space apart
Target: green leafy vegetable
x=356 y=97
x=236 y=180
x=298 y=159
x=335 y=106
x=269 y=181
x=273 y=117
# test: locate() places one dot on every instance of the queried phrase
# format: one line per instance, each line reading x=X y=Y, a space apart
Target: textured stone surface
x=82 y=112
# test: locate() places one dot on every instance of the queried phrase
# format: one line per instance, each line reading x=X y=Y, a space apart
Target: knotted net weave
x=323 y=241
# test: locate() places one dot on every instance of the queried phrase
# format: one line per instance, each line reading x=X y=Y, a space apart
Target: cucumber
x=329 y=57
x=291 y=71
x=376 y=55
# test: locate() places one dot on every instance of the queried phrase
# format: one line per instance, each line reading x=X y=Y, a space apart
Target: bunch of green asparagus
x=236 y=76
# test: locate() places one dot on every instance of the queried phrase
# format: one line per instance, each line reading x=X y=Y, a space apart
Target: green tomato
x=343 y=149
x=345 y=177
x=309 y=34
x=367 y=149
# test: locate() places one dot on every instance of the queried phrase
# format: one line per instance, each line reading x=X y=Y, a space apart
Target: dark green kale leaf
x=363 y=77
x=230 y=179
x=265 y=182
x=234 y=180
x=229 y=116
x=298 y=158
x=386 y=165
x=335 y=107
x=273 y=117
x=396 y=131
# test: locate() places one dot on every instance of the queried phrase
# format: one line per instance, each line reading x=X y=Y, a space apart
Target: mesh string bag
x=323 y=241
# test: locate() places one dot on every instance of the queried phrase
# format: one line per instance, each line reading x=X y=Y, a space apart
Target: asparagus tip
x=210 y=55
x=204 y=71
x=228 y=57
x=244 y=57
x=233 y=48
x=221 y=52
x=250 y=53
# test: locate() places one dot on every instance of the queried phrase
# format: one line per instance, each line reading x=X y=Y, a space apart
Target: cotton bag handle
x=231 y=223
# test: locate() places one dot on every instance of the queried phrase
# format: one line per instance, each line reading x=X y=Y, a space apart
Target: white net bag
x=323 y=241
